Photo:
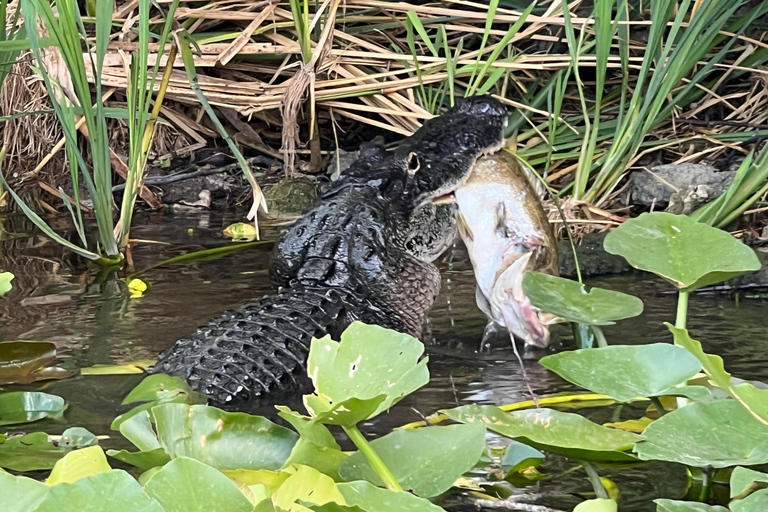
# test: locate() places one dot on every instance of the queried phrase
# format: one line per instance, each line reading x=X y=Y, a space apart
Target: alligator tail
x=260 y=349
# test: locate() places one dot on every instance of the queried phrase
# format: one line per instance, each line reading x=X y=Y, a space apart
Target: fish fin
x=463 y=227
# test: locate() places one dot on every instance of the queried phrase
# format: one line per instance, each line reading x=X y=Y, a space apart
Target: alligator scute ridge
x=363 y=253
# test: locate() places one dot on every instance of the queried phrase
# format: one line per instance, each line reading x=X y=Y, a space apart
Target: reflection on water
x=92 y=320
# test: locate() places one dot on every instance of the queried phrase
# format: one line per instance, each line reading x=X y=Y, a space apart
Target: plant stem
x=599 y=336
x=594 y=479
x=659 y=407
x=682 y=309
x=373 y=458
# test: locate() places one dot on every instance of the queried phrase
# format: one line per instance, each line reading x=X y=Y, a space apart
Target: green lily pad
x=138 y=430
x=21 y=494
x=374 y=499
x=720 y=434
x=306 y=484
x=686 y=253
x=597 y=505
x=316 y=446
x=745 y=480
x=5 y=282
x=625 y=372
x=27 y=406
x=370 y=370
x=579 y=303
x=30 y=452
x=145 y=460
x=221 y=439
x=564 y=433
x=23 y=362
x=520 y=456
x=158 y=389
x=755 y=502
x=186 y=485
x=78 y=464
x=114 y=490
x=426 y=460
x=664 y=505
x=755 y=400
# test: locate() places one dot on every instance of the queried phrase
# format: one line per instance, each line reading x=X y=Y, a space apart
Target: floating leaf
x=223 y=440
x=308 y=485
x=686 y=253
x=753 y=399
x=638 y=425
x=564 y=433
x=79 y=464
x=370 y=370
x=625 y=372
x=77 y=437
x=597 y=505
x=664 y=505
x=29 y=452
x=23 y=362
x=158 y=389
x=720 y=433
x=21 y=494
x=316 y=446
x=28 y=406
x=577 y=302
x=5 y=282
x=426 y=460
x=114 y=490
x=755 y=502
x=745 y=480
x=186 y=485
x=520 y=456
x=143 y=460
x=374 y=499
x=133 y=367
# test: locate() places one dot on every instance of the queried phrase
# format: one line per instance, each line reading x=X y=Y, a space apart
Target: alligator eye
x=413 y=163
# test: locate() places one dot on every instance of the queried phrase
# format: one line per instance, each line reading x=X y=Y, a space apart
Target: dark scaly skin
x=363 y=253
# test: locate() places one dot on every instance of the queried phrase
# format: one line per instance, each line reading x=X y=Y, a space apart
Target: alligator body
x=363 y=253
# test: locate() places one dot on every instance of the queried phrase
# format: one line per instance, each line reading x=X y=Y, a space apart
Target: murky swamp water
x=92 y=323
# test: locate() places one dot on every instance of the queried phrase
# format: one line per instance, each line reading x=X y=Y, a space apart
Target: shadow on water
x=55 y=299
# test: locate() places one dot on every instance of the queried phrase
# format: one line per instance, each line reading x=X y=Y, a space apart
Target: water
x=92 y=321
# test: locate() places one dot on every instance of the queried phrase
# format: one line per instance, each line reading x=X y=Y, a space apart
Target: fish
x=503 y=224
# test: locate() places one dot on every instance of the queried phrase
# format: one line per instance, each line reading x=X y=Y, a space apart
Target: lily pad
x=29 y=452
x=186 y=485
x=744 y=480
x=374 y=499
x=78 y=464
x=21 y=494
x=23 y=362
x=755 y=502
x=145 y=460
x=664 y=505
x=755 y=400
x=577 y=302
x=686 y=253
x=158 y=389
x=597 y=505
x=625 y=372
x=564 y=433
x=5 y=282
x=308 y=485
x=520 y=456
x=27 y=406
x=720 y=434
x=138 y=430
x=425 y=460
x=222 y=439
x=140 y=366
x=370 y=370
x=114 y=490
x=316 y=446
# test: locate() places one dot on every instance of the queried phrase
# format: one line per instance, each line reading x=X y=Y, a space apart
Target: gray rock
x=661 y=182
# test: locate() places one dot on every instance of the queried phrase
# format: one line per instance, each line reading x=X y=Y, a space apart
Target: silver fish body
x=506 y=231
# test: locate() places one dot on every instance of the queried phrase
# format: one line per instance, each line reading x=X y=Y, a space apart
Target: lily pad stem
x=682 y=309
x=658 y=405
x=373 y=458
x=594 y=479
x=599 y=336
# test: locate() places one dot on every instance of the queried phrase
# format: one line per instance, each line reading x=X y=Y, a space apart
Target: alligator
x=364 y=252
